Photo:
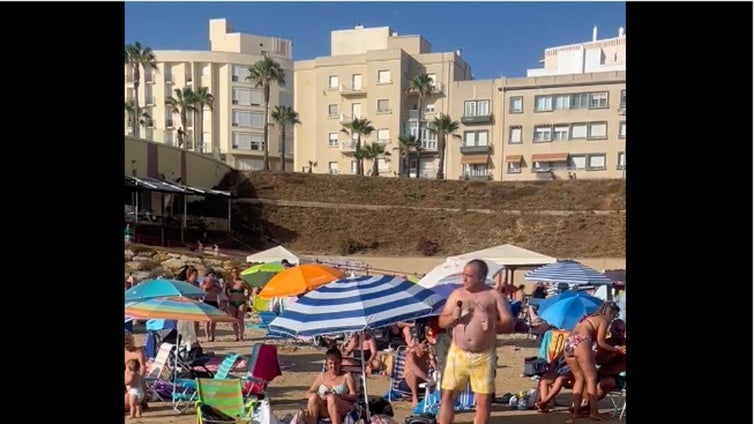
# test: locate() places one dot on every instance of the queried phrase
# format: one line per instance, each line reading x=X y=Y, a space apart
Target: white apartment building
x=233 y=128
x=604 y=55
x=367 y=76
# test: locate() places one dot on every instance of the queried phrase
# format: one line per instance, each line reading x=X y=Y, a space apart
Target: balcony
x=349 y=146
x=429 y=145
x=346 y=119
x=413 y=115
x=476 y=119
x=476 y=150
x=438 y=87
x=349 y=90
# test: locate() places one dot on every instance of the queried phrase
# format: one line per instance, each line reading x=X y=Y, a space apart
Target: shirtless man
x=476 y=315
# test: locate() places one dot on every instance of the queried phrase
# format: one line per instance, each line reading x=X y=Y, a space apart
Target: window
x=621 y=160
x=248 y=141
x=596 y=162
x=542 y=103
x=517 y=104
x=433 y=77
x=476 y=108
x=332 y=82
x=597 y=130
x=598 y=100
x=353 y=166
x=382 y=165
x=563 y=102
x=332 y=167
x=240 y=72
x=578 y=131
x=383 y=106
x=430 y=108
x=542 y=134
x=383 y=135
x=332 y=111
x=356 y=110
x=622 y=130
x=247 y=119
x=514 y=167
x=475 y=170
x=577 y=162
x=427 y=138
x=514 y=135
x=580 y=101
x=561 y=132
x=383 y=77
x=356 y=81
x=623 y=99
x=475 y=138
x=332 y=140
x=247 y=97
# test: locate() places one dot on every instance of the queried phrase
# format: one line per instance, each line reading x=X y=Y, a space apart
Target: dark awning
x=156 y=184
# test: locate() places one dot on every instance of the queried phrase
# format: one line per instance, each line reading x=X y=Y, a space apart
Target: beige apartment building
x=233 y=128
x=367 y=75
x=562 y=124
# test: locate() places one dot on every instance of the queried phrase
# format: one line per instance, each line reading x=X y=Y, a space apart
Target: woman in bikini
x=579 y=355
x=238 y=300
x=333 y=392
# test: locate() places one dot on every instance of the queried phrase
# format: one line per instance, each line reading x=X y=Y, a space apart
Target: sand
x=287 y=391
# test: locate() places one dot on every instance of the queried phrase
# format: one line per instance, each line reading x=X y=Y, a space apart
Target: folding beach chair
x=158 y=370
x=263 y=366
x=221 y=401
x=618 y=399
x=182 y=399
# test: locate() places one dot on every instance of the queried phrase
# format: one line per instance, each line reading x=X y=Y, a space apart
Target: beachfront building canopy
x=171 y=188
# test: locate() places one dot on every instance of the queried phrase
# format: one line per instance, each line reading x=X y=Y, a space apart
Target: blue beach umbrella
x=567 y=271
x=566 y=311
x=162 y=287
x=356 y=304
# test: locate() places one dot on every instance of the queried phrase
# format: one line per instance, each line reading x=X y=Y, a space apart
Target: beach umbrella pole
x=364 y=377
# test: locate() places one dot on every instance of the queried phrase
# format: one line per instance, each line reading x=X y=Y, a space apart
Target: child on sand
x=134 y=393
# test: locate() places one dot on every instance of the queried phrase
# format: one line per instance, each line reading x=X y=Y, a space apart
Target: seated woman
x=333 y=392
x=368 y=346
x=551 y=382
x=400 y=334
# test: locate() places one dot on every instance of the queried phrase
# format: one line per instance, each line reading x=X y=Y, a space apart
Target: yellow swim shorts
x=463 y=366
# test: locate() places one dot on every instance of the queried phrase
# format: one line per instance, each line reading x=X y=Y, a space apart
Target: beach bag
x=534 y=366
x=382 y=419
x=378 y=405
x=421 y=419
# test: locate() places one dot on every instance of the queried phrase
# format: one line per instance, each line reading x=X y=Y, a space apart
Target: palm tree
x=359 y=126
x=443 y=125
x=374 y=152
x=409 y=143
x=183 y=103
x=284 y=116
x=263 y=74
x=133 y=116
x=203 y=99
x=137 y=57
x=423 y=86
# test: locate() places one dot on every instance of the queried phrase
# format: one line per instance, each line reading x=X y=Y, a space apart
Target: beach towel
x=552 y=344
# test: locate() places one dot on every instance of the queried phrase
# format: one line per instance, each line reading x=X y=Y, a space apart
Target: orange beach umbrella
x=299 y=279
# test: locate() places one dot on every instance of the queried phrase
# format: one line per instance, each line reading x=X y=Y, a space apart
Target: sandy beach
x=287 y=391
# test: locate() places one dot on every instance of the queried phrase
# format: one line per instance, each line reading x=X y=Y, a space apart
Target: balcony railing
x=474 y=149
x=413 y=115
x=476 y=119
x=429 y=145
x=350 y=90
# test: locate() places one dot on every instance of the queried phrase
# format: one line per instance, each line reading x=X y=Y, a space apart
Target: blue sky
x=497 y=38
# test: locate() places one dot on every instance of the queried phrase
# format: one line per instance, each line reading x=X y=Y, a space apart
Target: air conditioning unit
x=235 y=124
x=234 y=101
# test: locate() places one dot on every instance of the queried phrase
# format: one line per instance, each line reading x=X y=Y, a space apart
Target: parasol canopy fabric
x=176 y=308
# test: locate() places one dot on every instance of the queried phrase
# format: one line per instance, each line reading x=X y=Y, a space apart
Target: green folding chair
x=221 y=401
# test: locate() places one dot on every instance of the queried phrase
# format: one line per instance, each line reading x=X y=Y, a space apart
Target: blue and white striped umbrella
x=567 y=271
x=355 y=304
